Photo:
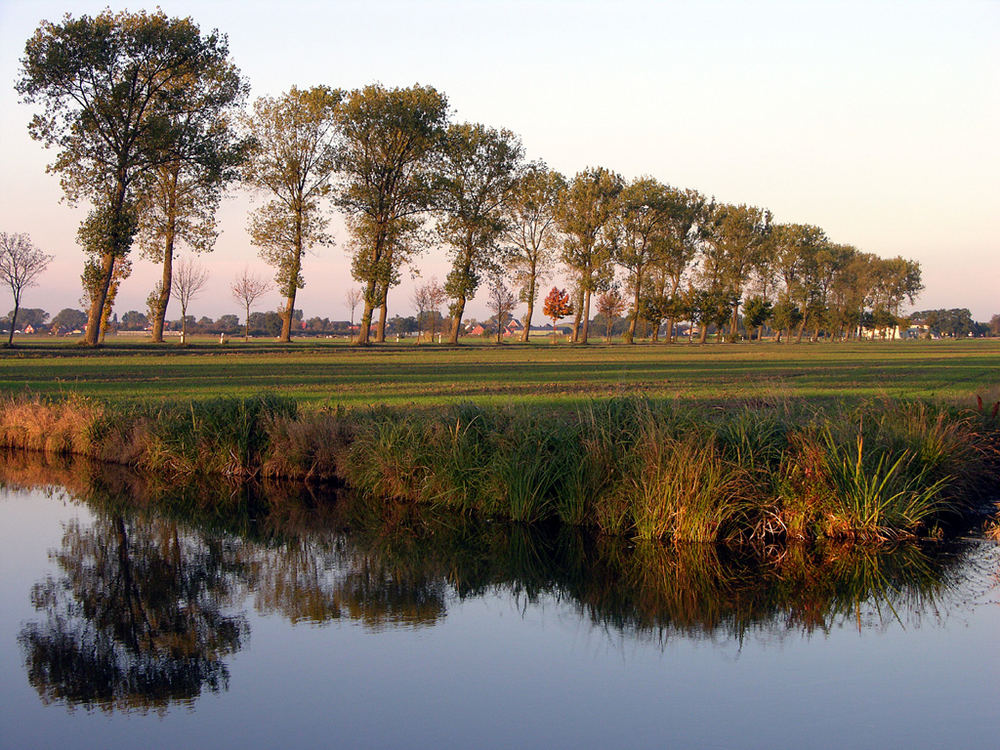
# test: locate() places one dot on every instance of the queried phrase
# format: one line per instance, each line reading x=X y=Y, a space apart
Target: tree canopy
x=114 y=90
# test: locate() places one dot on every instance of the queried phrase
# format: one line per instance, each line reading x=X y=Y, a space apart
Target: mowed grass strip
x=321 y=372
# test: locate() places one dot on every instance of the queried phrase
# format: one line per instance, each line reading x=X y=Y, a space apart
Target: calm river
x=139 y=616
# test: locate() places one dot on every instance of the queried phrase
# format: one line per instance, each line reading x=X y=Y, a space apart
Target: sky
x=878 y=121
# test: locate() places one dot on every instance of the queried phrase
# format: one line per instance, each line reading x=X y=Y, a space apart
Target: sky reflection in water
x=138 y=611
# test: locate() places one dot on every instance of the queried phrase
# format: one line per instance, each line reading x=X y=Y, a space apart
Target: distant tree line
x=149 y=121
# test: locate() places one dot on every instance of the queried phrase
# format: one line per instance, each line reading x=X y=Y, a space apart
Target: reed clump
x=879 y=471
x=52 y=427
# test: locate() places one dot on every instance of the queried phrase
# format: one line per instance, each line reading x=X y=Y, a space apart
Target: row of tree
x=147 y=116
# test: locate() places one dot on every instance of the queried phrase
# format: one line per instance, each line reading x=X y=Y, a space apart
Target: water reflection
x=150 y=598
x=136 y=617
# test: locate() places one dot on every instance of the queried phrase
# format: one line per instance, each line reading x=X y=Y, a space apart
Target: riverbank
x=874 y=471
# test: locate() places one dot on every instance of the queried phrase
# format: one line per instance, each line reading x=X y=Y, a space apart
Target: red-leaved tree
x=557 y=305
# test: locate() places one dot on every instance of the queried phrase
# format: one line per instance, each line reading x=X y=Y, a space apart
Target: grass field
x=325 y=373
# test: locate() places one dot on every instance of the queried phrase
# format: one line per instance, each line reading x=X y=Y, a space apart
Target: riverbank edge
x=876 y=471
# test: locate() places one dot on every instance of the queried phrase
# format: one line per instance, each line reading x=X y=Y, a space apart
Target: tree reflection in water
x=147 y=602
x=136 y=618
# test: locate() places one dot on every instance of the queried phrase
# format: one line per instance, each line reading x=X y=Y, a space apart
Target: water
x=138 y=615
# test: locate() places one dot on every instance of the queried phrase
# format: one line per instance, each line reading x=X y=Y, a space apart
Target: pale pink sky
x=876 y=120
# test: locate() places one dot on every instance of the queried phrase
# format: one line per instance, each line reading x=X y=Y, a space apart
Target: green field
x=324 y=372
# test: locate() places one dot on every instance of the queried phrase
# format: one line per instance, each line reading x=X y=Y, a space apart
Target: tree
x=353 y=297
x=501 y=301
x=247 y=289
x=390 y=137
x=898 y=278
x=69 y=319
x=134 y=320
x=111 y=88
x=228 y=323
x=737 y=239
x=428 y=298
x=785 y=316
x=584 y=217
x=269 y=323
x=796 y=248
x=654 y=307
x=610 y=305
x=713 y=307
x=688 y=211
x=293 y=160
x=643 y=212
x=532 y=234
x=953 y=323
x=21 y=263
x=190 y=280
x=476 y=174
x=183 y=194
x=556 y=307
x=756 y=312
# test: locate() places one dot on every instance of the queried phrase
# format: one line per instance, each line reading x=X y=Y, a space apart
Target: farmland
x=328 y=373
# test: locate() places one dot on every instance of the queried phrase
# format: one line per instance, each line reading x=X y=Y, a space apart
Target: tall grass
x=623 y=466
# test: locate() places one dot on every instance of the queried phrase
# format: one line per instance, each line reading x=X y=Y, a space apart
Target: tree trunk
x=456 y=321
x=703 y=334
x=582 y=339
x=577 y=317
x=668 y=336
x=630 y=333
x=364 y=327
x=531 y=309
x=293 y=275
x=246 y=329
x=802 y=328
x=160 y=313
x=96 y=311
x=13 y=320
x=382 y=312
x=108 y=261
x=286 y=318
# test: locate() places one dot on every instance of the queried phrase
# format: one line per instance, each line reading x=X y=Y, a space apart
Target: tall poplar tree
x=532 y=235
x=687 y=213
x=584 y=216
x=111 y=88
x=476 y=175
x=640 y=237
x=737 y=237
x=183 y=194
x=390 y=137
x=293 y=158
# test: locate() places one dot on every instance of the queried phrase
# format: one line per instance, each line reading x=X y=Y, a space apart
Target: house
x=514 y=327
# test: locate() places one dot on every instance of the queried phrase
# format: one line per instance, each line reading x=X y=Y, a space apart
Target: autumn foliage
x=557 y=305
